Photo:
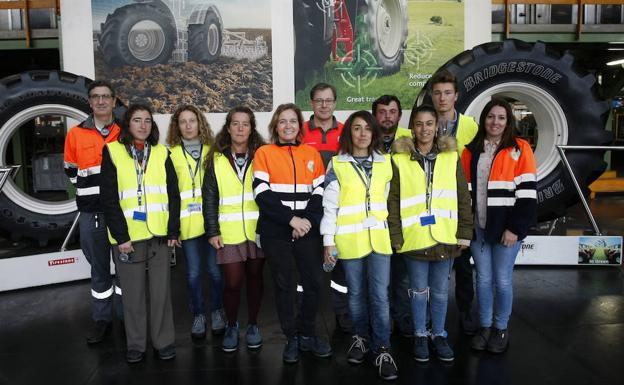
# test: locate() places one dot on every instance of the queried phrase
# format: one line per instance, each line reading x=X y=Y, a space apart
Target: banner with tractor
x=367 y=48
x=214 y=54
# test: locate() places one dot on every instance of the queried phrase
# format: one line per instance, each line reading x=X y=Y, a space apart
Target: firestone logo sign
x=62 y=261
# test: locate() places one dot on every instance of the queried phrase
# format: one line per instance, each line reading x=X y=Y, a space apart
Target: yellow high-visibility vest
x=191 y=216
x=354 y=238
x=153 y=196
x=238 y=211
x=443 y=202
x=466 y=130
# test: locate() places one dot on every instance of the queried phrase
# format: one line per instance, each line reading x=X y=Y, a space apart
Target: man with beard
x=387 y=112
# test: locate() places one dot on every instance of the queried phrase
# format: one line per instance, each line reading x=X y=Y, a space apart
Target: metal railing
x=561 y=149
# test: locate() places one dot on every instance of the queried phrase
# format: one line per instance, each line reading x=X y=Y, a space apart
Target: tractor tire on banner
x=564 y=102
x=138 y=35
x=386 y=21
x=313 y=25
x=22 y=98
x=205 y=40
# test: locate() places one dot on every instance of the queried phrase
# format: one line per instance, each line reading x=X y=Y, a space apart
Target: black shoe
x=468 y=323
x=167 y=353
x=498 y=341
x=98 y=331
x=480 y=340
x=357 y=351
x=387 y=368
x=134 y=356
x=316 y=345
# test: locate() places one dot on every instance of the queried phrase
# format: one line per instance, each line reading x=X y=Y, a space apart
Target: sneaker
x=442 y=349
x=198 y=329
x=480 y=340
x=421 y=349
x=98 y=332
x=357 y=351
x=468 y=323
x=253 y=337
x=387 y=368
x=217 y=324
x=230 y=339
x=499 y=339
x=316 y=345
x=290 y=354
x=167 y=353
x=134 y=356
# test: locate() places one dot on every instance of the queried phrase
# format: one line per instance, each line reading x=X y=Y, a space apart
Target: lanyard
x=429 y=176
x=239 y=165
x=365 y=179
x=140 y=169
x=192 y=173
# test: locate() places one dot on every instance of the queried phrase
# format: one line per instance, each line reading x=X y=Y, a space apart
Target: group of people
x=389 y=210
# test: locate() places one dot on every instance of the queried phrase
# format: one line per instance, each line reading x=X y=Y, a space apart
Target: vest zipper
x=243 y=201
x=292 y=159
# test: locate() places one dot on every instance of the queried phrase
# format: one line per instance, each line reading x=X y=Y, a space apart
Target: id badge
x=427 y=220
x=139 y=216
x=369 y=222
x=194 y=207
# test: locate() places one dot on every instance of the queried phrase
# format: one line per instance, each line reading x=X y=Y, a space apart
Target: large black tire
x=20 y=94
x=205 y=39
x=564 y=101
x=386 y=21
x=313 y=28
x=22 y=97
x=121 y=46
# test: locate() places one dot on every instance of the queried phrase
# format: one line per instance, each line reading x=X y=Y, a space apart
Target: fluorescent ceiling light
x=615 y=49
x=615 y=62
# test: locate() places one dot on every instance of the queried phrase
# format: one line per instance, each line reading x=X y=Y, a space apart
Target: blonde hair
x=174 y=137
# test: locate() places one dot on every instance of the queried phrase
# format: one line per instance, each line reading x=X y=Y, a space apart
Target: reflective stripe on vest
x=238 y=212
x=191 y=222
x=414 y=206
x=154 y=201
x=353 y=240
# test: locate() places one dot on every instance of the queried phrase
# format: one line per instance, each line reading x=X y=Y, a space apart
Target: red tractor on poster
x=327 y=29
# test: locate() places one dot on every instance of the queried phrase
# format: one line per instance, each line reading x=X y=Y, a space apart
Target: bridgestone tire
x=386 y=21
x=312 y=39
x=146 y=48
x=564 y=102
x=205 y=39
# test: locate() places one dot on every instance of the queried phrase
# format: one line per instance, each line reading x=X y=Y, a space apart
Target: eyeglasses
x=320 y=102
x=104 y=97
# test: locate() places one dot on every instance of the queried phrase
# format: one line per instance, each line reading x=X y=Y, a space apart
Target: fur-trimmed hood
x=405 y=145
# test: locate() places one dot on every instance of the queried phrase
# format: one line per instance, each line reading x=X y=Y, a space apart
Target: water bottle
x=328 y=267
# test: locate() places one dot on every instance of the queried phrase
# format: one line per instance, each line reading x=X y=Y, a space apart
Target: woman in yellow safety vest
x=355 y=229
x=139 y=191
x=430 y=223
x=190 y=140
x=230 y=216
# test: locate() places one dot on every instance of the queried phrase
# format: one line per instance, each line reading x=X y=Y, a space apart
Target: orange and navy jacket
x=327 y=143
x=288 y=181
x=83 y=158
x=512 y=189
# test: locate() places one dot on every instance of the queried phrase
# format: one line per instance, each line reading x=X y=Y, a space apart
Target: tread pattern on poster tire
x=198 y=35
x=114 y=34
x=311 y=52
x=390 y=64
x=21 y=92
x=576 y=91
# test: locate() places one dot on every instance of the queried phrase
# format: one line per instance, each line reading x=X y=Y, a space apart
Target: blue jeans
x=198 y=252
x=367 y=280
x=494 y=264
x=429 y=279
